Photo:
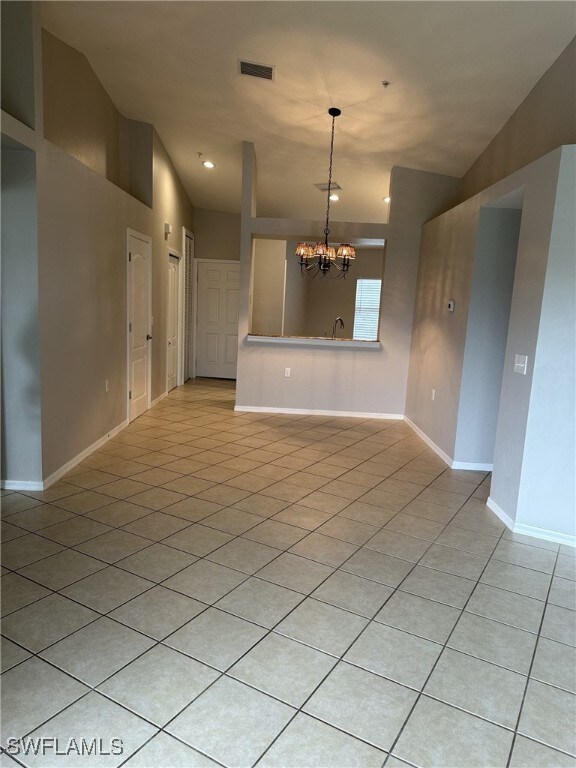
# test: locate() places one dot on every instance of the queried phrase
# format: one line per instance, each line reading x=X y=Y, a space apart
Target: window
x=367 y=309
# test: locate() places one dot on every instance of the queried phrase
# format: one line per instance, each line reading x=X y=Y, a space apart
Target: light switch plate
x=521 y=364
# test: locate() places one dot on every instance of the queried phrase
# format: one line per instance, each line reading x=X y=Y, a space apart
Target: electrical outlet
x=287 y=372
x=107 y=385
x=433 y=394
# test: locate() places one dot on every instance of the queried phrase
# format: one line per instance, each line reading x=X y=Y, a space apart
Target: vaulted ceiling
x=457 y=72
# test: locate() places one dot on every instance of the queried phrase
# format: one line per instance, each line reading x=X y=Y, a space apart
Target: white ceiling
x=458 y=70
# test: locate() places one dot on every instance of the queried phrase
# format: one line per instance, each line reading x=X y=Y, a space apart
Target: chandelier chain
x=327 y=229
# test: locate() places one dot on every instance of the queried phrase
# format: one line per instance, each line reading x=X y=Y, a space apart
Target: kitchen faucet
x=334 y=324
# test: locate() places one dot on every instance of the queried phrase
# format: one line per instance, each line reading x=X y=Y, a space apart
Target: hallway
x=216 y=588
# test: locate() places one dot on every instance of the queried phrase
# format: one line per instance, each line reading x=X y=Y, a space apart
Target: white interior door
x=217 y=324
x=173 y=336
x=139 y=325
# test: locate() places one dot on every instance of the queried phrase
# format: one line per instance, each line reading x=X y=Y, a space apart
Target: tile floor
x=214 y=588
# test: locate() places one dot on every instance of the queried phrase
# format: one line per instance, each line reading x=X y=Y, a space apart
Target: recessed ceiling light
x=386 y=199
x=208 y=164
x=334 y=198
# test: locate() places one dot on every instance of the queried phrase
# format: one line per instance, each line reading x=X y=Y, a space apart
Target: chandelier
x=322 y=259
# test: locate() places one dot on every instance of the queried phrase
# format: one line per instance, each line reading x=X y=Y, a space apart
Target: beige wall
x=269 y=266
x=545 y=120
x=79 y=116
x=216 y=234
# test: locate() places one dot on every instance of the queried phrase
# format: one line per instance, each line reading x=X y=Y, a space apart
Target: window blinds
x=367 y=309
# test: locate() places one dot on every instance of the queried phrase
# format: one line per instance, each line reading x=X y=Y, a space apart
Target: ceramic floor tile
x=107 y=589
x=419 y=616
x=83 y=502
x=478 y=687
x=309 y=743
x=295 y=572
x=397 y=655
x=75 y=531
x=468 y=541
x=430 y=511
x=555 y=663
x=526 y=556
x=284 y=491
x=353 y=593
x=123 y=489
x=418 y=527
x=97 y=651
x=16 y=502
x=39 y=625
x=263 y=506
x=367 y=513
x=491 y=641
x=37 y=518
x=276 y=534
x=198 y=539
x=11 y=654
x=324 y=549
x=439 y=735
x=113 y=546
x=119 y=513
x=177 y=678
x=352 y=531
x=27 y=549
x=158 y=612
x=285 y=669
x=9 y=532
x=322 y=626
x=93 y=714
x=232 y=723
x=378 y=567
x=566 y=567
x=548 y=715
x=302 y=517
x=157 y=498
x=205 y=581
x=362 y=704
x=232 y=521
x=398 y=545
x=243 y=555
x=527 y=753
x=156 y=526
x=563 y=593
x=157 y=562
x=507 y=607
x=216 y=638
x=439 y=586
x=18 y=592
x=25 y=704
x=260 y=602
x=164 y=750
x=192 y=509
x=454 y=561
x=559 y=624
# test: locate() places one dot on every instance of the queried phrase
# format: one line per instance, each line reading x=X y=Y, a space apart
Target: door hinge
x=129 y=256
x=130 y=395
x=129 y=327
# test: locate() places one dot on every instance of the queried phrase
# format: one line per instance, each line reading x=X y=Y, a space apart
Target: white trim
x=146 y=239
x=544 y=533
x=430 y=443
x=24 y=485
x=500 y=514
x=191 y=372
x=172 y=252
x=477 y=466
x=530 y=530
x=315 y=412
x=158 y=399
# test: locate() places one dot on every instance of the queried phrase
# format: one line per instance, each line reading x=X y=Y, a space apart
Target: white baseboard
x=500 y=514
x=544 y=533
x=315 y=412
x=430 y=443
x=158 y=399
x=478 y=467
x=470 y=465
x=22 y=485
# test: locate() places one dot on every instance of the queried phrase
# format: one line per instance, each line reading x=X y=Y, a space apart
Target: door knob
x=148 y=337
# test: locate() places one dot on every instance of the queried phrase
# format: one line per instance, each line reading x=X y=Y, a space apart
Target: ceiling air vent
x=256 y=70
